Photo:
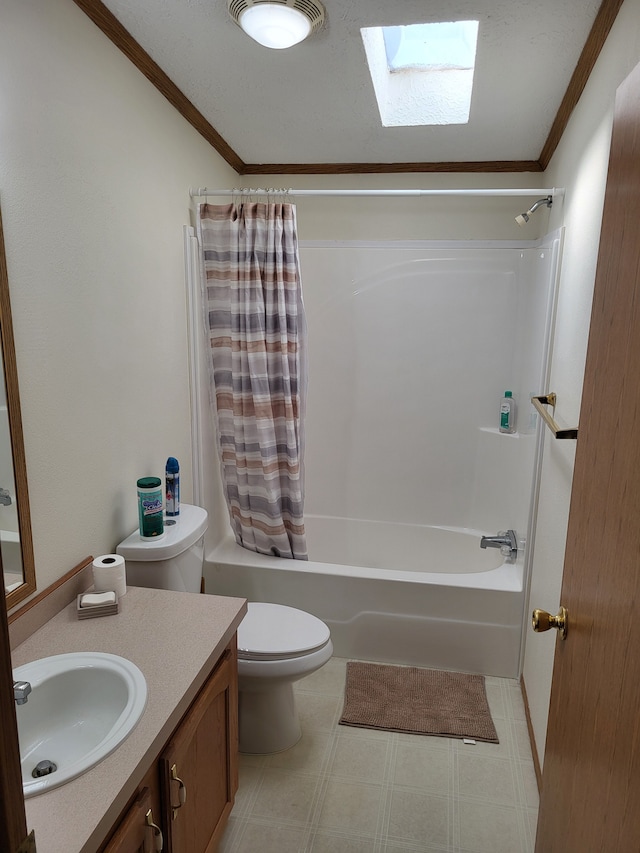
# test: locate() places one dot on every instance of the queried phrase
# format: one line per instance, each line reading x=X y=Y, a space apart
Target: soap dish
x=90 y=611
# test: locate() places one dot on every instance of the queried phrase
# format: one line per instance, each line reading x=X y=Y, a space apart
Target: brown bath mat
x=422 y=701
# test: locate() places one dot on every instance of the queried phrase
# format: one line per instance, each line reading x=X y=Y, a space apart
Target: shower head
x=523 y=218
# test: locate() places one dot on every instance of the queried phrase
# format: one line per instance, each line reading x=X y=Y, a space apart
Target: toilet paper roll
x=109 y=572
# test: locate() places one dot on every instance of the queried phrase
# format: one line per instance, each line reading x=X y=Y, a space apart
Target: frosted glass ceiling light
x=279 y=23
x=275 y=26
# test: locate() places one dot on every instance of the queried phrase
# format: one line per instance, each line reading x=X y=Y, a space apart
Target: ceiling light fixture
x=277 y=23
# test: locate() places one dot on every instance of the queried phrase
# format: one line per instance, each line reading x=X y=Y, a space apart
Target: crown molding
x=121 y=38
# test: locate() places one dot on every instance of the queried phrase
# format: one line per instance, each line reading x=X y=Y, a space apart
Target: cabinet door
x=138 y=831
x=199 y=769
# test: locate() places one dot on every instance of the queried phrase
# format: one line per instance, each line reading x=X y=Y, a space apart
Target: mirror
x=16 y=546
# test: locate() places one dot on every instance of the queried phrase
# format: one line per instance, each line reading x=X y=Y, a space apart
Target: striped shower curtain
x=256 y=334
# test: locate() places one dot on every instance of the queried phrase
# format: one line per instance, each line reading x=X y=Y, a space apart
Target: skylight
x=422 y=74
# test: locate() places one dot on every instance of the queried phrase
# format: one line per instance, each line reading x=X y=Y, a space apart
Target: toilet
x=173 y=560
x=277 y=645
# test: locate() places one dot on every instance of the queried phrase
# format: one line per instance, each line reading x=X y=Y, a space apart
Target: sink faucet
x=5 y=497
x=21 y=690
x=506 y=541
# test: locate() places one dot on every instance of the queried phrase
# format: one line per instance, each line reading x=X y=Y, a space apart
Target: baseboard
x=534 y=750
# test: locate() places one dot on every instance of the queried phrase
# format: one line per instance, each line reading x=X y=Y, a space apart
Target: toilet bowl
x=277 y=646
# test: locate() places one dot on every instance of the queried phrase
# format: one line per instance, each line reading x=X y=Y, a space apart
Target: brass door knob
x=542 y=621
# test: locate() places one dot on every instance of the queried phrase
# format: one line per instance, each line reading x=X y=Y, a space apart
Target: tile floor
x=348 y=790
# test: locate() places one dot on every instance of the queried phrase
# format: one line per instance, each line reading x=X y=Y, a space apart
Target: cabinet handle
x=182 y=792
x=157 y=832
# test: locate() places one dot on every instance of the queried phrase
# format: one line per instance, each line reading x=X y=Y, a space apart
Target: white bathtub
x=398 y=593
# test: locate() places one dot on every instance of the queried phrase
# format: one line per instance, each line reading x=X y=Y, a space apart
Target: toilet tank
x=173 y=561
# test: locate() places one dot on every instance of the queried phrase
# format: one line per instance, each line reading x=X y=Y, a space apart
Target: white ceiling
x=315 y=103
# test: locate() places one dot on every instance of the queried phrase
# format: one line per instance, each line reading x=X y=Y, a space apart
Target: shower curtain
x=255 y=335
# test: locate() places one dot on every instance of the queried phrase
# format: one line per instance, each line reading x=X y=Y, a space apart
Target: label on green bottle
x=505 y=412
x=150 y=513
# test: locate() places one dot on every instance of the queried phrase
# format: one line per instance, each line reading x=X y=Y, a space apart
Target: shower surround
x=411 y=347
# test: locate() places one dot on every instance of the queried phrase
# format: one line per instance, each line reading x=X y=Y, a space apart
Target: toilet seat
x=277 y=645
x=276 y=632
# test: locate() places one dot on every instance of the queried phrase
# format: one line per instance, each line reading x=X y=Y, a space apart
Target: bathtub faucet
x=21 y=690
x=506 y=541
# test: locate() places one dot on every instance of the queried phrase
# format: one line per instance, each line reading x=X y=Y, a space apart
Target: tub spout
x=506 y=541
x=21 y=690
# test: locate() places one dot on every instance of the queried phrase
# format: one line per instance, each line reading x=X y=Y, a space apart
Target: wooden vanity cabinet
x=199 y=767
x=191 y=787
x=138 y=831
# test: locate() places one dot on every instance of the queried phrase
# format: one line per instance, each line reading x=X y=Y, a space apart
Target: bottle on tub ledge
x=172 y=491
x=508 y=413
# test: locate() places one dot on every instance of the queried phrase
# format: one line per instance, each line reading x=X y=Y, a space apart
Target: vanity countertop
x=175 y=638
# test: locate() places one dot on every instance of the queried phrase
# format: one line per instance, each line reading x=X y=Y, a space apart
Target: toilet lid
x=273 y=631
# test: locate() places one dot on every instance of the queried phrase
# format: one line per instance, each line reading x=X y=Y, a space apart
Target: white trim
x=192 y=284
x=243 y=191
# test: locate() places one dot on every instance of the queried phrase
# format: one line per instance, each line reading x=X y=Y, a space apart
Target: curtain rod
x=205 y=191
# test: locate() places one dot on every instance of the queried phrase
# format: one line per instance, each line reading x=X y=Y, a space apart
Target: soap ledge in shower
x=496 y=431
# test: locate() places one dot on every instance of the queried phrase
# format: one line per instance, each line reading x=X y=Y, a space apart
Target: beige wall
x=95 y=168
x=579 y=164
x=94 y=171
x=419 y=218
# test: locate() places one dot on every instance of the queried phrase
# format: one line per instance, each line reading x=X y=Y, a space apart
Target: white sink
x=82 y=706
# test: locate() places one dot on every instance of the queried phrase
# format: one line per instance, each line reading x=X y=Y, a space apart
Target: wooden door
x=591 y=781
x=199 y=766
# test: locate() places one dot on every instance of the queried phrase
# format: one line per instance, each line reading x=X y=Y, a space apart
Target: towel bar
x=550 y=400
